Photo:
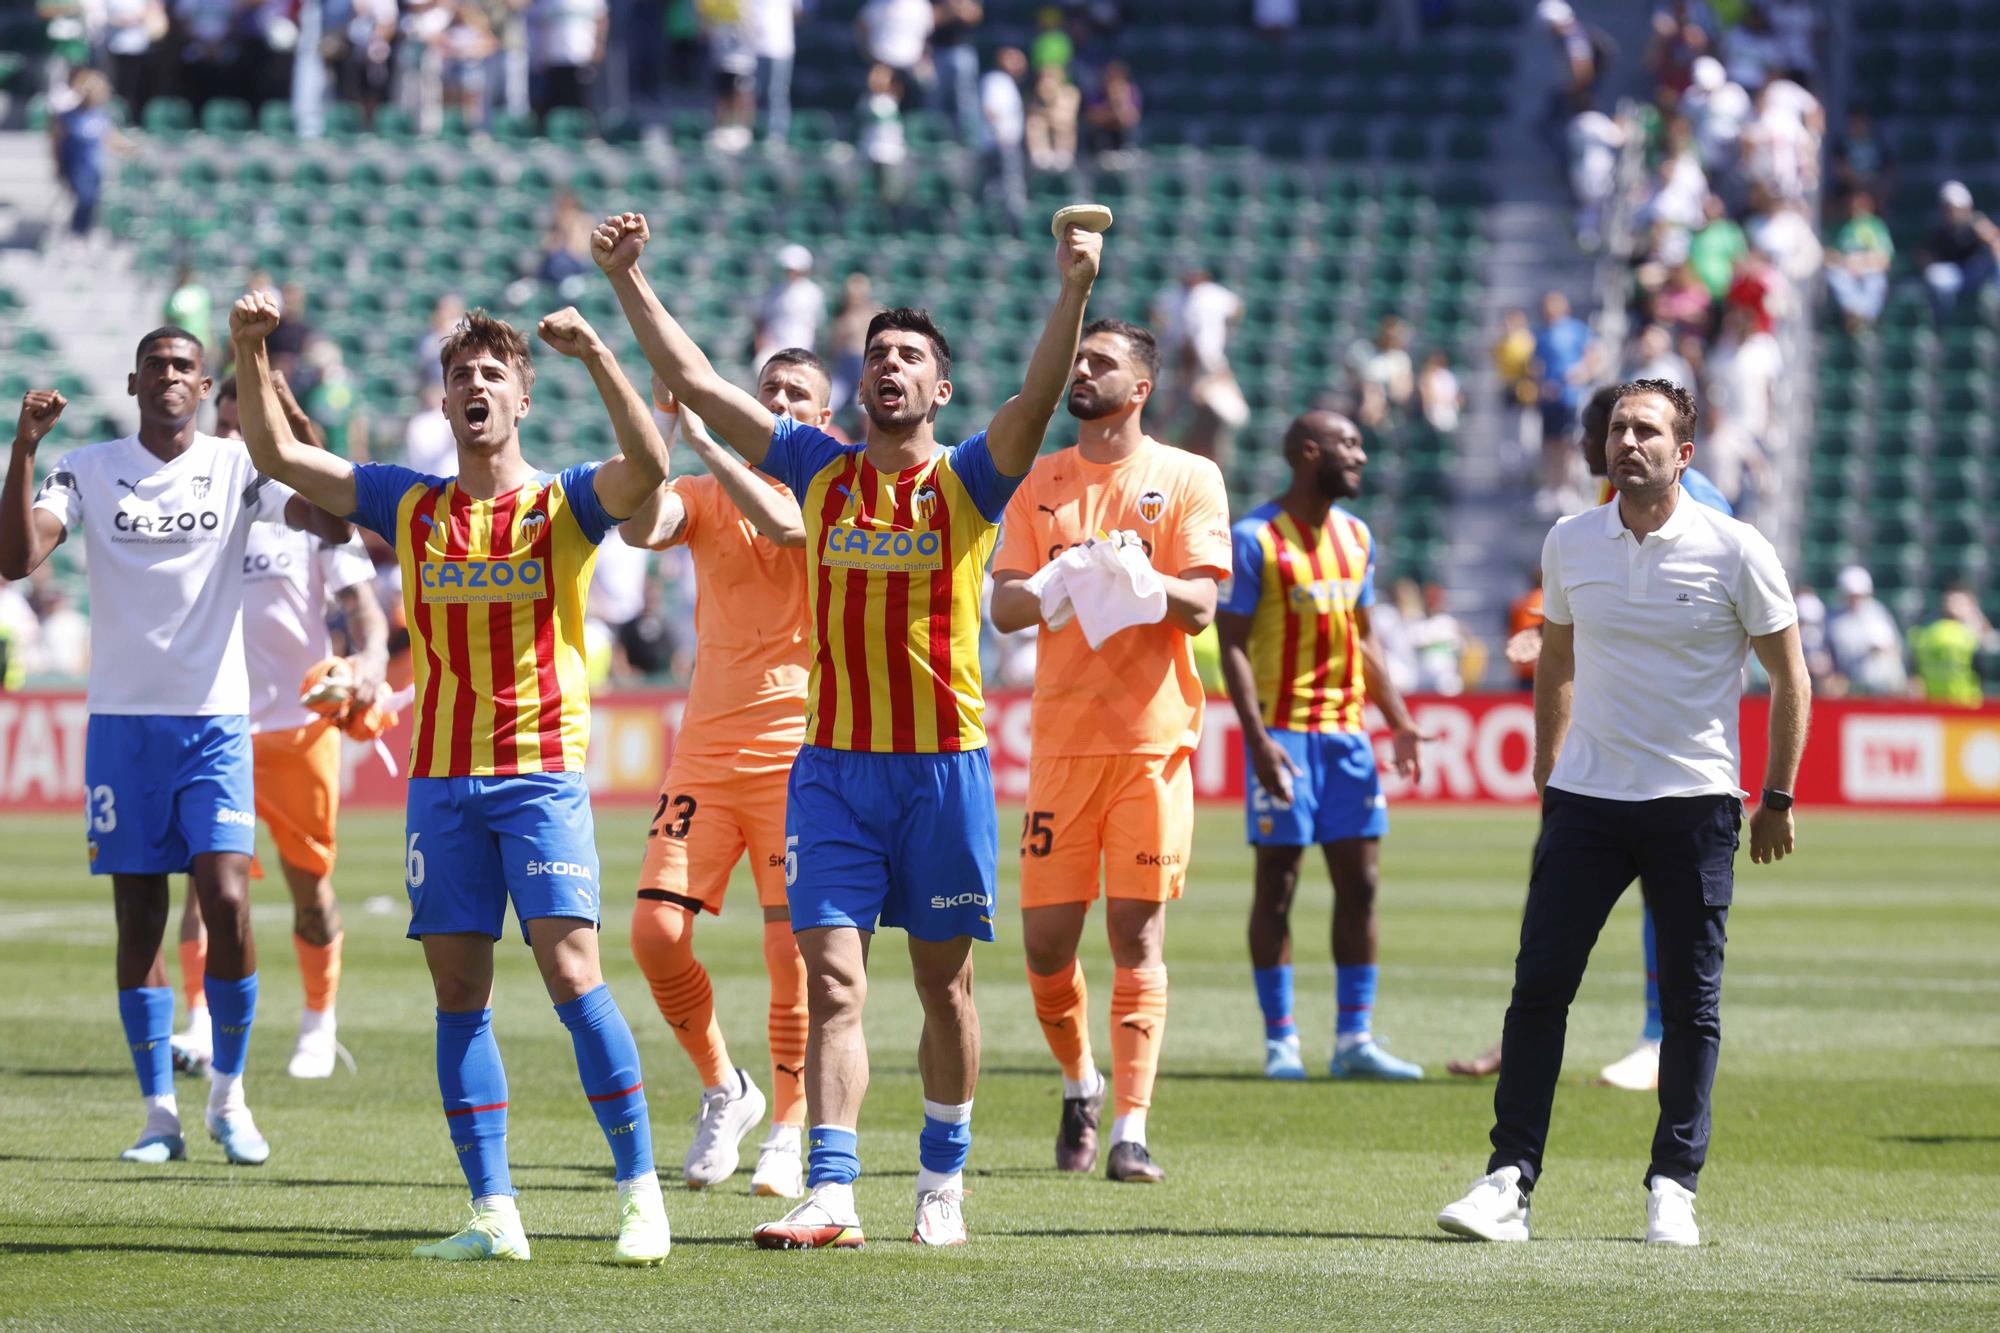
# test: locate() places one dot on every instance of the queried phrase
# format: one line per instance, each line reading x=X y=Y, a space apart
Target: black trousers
x=1682 y=850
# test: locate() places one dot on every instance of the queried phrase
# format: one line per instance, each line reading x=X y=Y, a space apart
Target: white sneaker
x=826 y=1220
x=1495 y=1208
x=726 y=1116
x=940 y=1218
x=1637 y=1072
x=1670 y=1215
x=317 y=1049
x=781 y=1167
x=644 y=1238
x=194 y=1048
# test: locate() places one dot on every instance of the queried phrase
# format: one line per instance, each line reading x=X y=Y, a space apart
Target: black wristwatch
x=1776 y=800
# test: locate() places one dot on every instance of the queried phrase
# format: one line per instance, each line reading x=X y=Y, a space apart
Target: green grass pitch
x=1854 y=1180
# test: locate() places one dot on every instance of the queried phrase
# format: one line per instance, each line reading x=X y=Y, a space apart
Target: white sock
x=646 y=1184
x=197 y=1028
x=313 y=1020
x=950 y=1113
x=836 y=1196
x=928 y=1180
x=1347 y=1041
x=225 y=1094
x=163 y=1116
x=499 y=1203
x=1084 y=1087
x=1130 y=1128
x=785 y=1136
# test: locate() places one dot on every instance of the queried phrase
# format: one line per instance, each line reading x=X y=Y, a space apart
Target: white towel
x=1114 y=588
x=1051 y=587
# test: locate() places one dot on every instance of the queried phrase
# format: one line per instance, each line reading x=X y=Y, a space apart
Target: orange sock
x=663 y=942
x=194 y=963
x=788 y=1023
x=1138 y=1023
x=1062 y=1003
x=319 y=969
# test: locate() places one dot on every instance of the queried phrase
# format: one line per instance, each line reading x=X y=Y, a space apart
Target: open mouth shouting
x=477 y=413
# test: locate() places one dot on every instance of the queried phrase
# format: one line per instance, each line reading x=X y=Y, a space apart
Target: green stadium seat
x=274 y=120
x=167 y=117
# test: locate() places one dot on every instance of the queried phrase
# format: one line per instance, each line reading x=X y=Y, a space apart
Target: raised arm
x=323 y=478
x=1784 y=661
x=1404 y=738
x=1271 y=767
x=775 y=515
x=1555 y=685
x=1015 y=436
x=624 y=483
x=28 y=534
x=298 y=513
x=743 y=423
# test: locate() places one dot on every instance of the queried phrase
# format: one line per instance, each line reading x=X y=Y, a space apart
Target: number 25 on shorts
x=1038 y=832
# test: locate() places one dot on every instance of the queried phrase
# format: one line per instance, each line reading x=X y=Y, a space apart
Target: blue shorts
x=470 y=844
x=160 y=791
x=1336 y=795
x=909 y=838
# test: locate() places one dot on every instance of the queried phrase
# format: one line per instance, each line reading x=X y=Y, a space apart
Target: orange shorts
x=298 y=792
x=710 y=813
x=1134 y=813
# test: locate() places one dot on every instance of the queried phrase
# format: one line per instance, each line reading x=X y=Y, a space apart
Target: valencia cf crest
x=924 y=503
x=200 y=485
x=1151 y=505
x=531 y=524
x=1264 y=826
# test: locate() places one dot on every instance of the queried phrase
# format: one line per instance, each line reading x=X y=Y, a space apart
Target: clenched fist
x=1078 y=254
x=568 y=332
x=253 y=318
x=616 y=243
x=40 y=410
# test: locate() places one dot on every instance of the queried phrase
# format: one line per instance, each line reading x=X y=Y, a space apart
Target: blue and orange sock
x=1354 y=991
x=1650 y=939
x=607 y=1059
x=232 y=1008
x=147 y=1013
x=833 y=1156
x=474 y=1086
x=1274 y=997
x=943 y=1145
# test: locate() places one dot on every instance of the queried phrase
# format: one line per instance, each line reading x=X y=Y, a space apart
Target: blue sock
x=232 y=1008
x=832 y=1156
x=1354 y=989
x=945 y=1141
x=148 y=1015
x=1274 y=997
x=474 y=1086
x=1651 y=941
x=607 y=1059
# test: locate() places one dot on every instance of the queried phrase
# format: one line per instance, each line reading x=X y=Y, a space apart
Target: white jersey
x=164 y=543
x=287 y=577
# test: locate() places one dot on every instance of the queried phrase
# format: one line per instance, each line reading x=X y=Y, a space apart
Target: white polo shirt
x=1662 y=629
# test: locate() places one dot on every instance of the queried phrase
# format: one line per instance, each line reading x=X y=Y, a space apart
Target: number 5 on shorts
x=413 y=865
x=791 y=860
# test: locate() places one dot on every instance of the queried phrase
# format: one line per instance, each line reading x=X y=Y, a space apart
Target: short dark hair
x=906 y=319
x=1309 y=425
x=1685 y=414
x=798 y=356
x=1595 y=419
x=1145 y=347
x=481 y=332
x=164 y=332
x=225 y=390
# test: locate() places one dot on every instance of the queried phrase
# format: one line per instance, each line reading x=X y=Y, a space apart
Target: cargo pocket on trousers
x=1718 y=885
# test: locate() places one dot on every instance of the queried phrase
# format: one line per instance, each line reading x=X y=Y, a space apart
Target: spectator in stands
x=82 y=136
x=327 y=393
x=1676 y=206
x=1052 y=44
x=362 y=52
x=1960 y=251
x=1857 y=268
x=955 y=54
x=1052 y=120
x=1392 y=637
x=1447 y=657
x=1682 y=303
x=1113 y=112
x=1197 y=320
x=1383 y=371
x=1584 y=55
x=134 y=31
x=1524 y=631
x=648 y=643
x=850 y=338
x=189 y=305
x=1759 y=288
x=1002 y=154
x=883 y=142
x=1565 y=364
x=895 y=33
x=446 y=312
x=209 y=49
x=1716 y=246
x=1514 y=362
x=1654 y=358
x=287 y=352
x=428 y=444
x=1781 y=146
x=1274 y=19
x=1718 y=109
x=62 y=643
x=20 y=635
x=565 y=49
x=1862 y=159
x=565 y=253
x=1946 y=651
x=1867 y=648
x=1752 y=49
x=1744 y=370
x=469 y=46
x=794 y=308
x=1594 y=141
x=1812 y=637
x=617 y=598
x=771 y=29
x=1779 y=229
x=1795 y=26
x=733 y=67
x=1678 y=40
x=1439 y=394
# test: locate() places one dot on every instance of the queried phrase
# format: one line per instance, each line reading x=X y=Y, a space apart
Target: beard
x=1089 y=405
x=902 y=417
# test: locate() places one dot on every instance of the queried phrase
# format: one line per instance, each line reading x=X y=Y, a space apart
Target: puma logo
x=681 y=1026
x=1046 y=510
x=1056 y=1025
x=793 y=1071
x=1142 y=1026
x=131 y=486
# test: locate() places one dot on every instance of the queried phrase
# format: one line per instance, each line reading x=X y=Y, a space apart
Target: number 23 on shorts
x=683 y=806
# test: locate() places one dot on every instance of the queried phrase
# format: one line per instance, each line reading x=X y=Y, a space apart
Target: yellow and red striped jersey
x=493 y=591
x=1301 y=590
x=894 y=567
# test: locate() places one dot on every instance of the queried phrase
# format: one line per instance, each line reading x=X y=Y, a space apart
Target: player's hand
x=618 y=240
x=1525 y=648
x=1772 y=835
x=253 y=318
x=568 y=332
x=1274 y=768
x=1406 y=746
x=1077 y=256
x=40 y=410
x=368 y=685
x=663 y=397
